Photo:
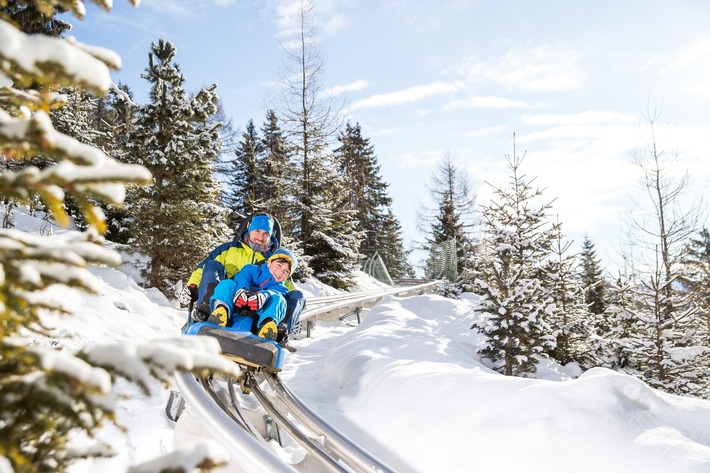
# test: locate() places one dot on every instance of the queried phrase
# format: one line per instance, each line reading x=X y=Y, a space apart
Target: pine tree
x=592 y=278
x=367 y=194
x=323 y=226
x=394 y=255
x=33 y=19
x=335 y=247
x=695 y=274
x=279 y=191
x=669 y=321
x=332 y=245
x=49 y=397
x=246 y=182
x=36 y=19
x=617 y=326
x=453 y=220
x=38 y=417
x=570 y=320
x=517 y=240
x=76 y=119
x=115 y=115
x=178 y=219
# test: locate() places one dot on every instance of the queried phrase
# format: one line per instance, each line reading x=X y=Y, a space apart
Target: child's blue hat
x=284 y=254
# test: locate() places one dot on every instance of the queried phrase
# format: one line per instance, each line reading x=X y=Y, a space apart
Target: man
x=251 y=246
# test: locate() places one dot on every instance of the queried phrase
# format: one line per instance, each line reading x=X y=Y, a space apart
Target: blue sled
x=239 y=344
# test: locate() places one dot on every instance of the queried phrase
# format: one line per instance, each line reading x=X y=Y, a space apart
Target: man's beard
x=257 y=247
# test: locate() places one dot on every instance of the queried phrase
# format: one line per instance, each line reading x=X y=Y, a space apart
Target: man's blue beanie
x=261 y=222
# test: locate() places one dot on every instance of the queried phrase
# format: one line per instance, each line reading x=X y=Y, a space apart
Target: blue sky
x=573 y=80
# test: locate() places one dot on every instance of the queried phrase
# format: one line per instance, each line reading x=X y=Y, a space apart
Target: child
x=259 y=288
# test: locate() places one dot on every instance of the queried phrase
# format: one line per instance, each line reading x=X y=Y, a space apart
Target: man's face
x=260 y=237
x=279 y=269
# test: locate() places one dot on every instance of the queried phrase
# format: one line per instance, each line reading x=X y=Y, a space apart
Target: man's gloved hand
x=256 y=301
x=241 y=298
x=188 y=294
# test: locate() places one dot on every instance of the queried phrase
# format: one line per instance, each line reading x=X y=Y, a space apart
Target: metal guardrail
x=323 y=304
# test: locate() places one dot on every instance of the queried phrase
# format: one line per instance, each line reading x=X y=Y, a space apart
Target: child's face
x=279 y=269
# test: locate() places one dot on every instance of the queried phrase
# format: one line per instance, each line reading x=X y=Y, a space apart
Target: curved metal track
x=331 y=450
x=347 y=450
x=327 y=447
x=253 y=455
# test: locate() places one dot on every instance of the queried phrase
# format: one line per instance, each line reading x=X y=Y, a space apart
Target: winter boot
x=219 y=315
x=201 y=312
x=282 y=333
x=268 y=330
x=282 y=338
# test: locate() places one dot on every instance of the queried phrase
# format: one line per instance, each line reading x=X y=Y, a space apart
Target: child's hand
x=256 y=301
x=241 y=298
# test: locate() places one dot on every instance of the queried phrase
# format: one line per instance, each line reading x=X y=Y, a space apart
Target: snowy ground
x=407 y=385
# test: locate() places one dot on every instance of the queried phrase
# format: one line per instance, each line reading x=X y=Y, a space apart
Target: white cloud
x=409 y=95
x=287 y=14
x=591 y=117
x=351 y=87
x=491 y=130
x=183 y=8
x=485 y=102
x=334 y=24
x=531 y=69
x=426 y=159
x=286 y=11
x=697 y=53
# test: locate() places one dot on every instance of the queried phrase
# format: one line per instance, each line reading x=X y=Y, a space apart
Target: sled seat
x=242 y=347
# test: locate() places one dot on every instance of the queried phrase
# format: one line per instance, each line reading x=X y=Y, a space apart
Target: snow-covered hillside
x=406 y=383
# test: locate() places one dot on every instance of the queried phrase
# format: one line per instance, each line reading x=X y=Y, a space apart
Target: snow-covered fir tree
x=245 y=184
x=367 y=194
x=570 y=320
x=665 y=347
x=592 y=278
x=115 y=115
x=451 y=223
x=77 y=119
x=335 y=250
x=395 y=256
x=516 y=241
x=178 y=219
x=333 y=239
x=36 y=17
x=39 y=417
x=279 y=189
x=668 y=351
x=696 y=275
x=616 y=327
x=323 y=225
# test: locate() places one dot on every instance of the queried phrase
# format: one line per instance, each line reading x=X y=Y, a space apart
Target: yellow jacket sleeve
x=233 y=256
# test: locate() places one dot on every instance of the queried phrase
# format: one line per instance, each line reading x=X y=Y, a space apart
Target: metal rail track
x=347 y=450
x=330 y=449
